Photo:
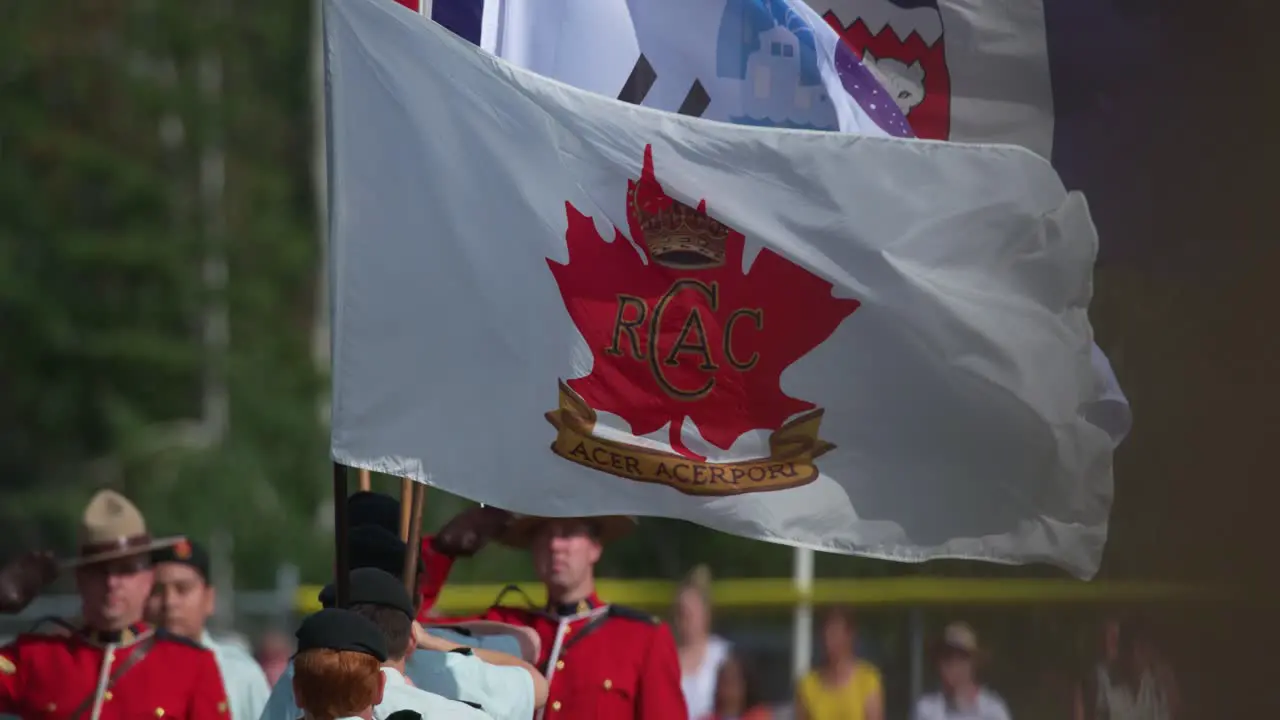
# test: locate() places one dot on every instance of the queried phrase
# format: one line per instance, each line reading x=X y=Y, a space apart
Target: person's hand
x=22 y=579
x=426 y=641
x=469 y=531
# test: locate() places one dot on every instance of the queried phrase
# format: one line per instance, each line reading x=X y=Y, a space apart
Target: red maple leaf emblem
x=706 y=343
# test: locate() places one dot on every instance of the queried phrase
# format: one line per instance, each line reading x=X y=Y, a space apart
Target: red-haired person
x=337 y=673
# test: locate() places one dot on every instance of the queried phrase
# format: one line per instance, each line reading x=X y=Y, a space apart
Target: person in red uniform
x=601 y=661
x=108 y=664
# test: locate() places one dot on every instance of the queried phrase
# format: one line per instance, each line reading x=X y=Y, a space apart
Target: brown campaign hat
x=520 y=531
x=113 y=528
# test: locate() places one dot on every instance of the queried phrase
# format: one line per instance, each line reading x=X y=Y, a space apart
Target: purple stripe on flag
x=461 y=17
x=865 y=89
x=1106 y=67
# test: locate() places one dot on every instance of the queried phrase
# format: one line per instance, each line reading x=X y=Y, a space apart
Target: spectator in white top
x=1132 y=682
x=701 y=653
x=960 y=697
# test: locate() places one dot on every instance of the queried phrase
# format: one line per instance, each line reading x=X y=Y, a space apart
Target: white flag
x=778 y=63
x=561 y=304
x=773 y=63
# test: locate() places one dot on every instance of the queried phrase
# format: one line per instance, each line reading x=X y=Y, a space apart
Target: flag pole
x=342 y=562
x=802 y=619
x=406 y=508
x=414 y=537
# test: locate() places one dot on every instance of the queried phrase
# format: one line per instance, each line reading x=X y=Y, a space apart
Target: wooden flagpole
x=406 y=507
x=413 y=539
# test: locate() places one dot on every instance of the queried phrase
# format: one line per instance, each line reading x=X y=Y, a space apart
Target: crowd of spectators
x=1129 y=681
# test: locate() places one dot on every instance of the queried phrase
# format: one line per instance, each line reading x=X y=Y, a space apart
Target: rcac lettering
x=635 y=315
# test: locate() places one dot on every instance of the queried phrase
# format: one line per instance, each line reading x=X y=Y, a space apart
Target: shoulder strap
x=519 y=591
x=134 y=658
x=622 y=611
x=590 y=627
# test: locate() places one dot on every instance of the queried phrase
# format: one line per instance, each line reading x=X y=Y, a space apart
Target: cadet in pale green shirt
x=505 y=686
x=380 y=598
x=246 y=684
x=182 y=602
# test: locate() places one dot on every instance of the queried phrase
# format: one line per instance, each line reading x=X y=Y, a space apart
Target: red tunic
x=602 y=661
x=56 y=675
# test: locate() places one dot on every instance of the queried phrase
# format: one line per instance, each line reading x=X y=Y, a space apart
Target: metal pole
x=221 y=552
x=802 y=622
x=288 y=578
x=319 y=170
x=215 y=330
x=915 y=618
x=342 y=557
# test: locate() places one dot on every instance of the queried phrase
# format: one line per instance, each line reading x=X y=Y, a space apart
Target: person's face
x=273 y=654
x=837 y=637
x=564 y=553
x=181 y=601
x=955 y=669
x=731 y=689
x=113 y=593
x=1111 y=640
x=692 y=620
x=1143 y=655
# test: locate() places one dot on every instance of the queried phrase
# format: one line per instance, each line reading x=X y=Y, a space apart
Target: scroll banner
x=792 y=451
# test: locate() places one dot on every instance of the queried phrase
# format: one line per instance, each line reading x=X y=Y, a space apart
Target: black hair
x=750 y=678
x=394 y=625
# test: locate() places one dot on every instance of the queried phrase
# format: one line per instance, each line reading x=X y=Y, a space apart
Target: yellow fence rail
x=780 y=593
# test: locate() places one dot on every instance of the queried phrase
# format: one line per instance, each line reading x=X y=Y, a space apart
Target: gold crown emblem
x=679 y=236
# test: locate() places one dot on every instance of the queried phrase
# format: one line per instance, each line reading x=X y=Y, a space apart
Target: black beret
x=184 y=552
x=333 y=629
x=377 y=547
x=371 y=508
x=371 y=586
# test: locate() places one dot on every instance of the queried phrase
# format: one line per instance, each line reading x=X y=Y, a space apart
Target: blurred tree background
x=158 y=267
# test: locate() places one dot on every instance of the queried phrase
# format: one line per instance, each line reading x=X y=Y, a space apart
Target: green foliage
x=103 y=234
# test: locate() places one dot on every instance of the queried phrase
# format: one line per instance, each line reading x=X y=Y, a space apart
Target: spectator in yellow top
x=843 y=687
